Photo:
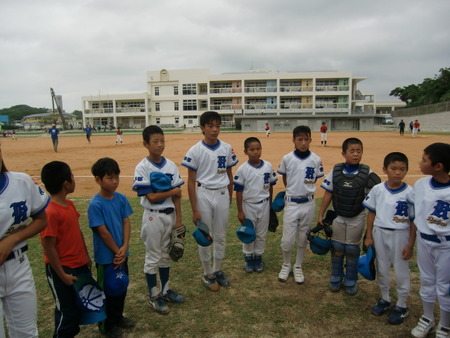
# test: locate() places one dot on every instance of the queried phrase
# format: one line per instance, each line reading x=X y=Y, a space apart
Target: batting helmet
x=115 y=281
x=366 y=264
x=278 y=202
x=319 y=241
x=246 y=232
x=201 y=234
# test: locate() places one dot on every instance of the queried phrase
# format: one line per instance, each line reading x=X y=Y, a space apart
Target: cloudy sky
x=87 y=47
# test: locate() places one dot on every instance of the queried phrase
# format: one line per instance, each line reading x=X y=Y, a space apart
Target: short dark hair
x=439 y=153
x=54 y=174
x=301 y=130
x=395 y=157
x=250 y=140
x=149 y=131
x=210 y=116
x=349 y=141
x=105 y=166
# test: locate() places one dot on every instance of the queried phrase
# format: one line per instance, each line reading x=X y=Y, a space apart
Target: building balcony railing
x=260 y=89
x=226 y=106
x=260 y=106
x=296 y=106
x=324 y=105
x=111 y=110
x=225 y=90
x=334 y=88
x=287 y=89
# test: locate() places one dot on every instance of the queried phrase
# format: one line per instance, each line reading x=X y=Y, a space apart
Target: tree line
x=19 y=111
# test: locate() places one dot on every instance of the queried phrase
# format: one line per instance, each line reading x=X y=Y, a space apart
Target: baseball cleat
x=398 y=315
x=221 y=279
x=210 y=282
x=258 y=264
x=159 y=305
x=173 y=297
x=298 y=274
x=424 y=326
x=381 y=307
x=284 y=272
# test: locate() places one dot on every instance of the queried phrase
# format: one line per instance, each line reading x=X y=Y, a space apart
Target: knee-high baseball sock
x=164 y=277
x=151 y=284
x=428 y=309
x=286 y=257
x=444 y=319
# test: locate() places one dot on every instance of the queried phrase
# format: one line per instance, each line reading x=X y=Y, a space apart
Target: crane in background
x=58 y=106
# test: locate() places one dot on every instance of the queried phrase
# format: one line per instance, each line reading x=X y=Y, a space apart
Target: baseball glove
x=176 y=244
x=273 y=221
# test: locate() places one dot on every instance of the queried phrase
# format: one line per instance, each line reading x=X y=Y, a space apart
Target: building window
x=190 y=89
x=157 y=108
x=189 y=104
x=175 y=90
x=176 y=106
x=158 y=120
x=156 y=91
x=177 y=120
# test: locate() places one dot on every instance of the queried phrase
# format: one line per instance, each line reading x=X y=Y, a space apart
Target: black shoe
x=221 y=279
x=125 y=323
x=114 y=332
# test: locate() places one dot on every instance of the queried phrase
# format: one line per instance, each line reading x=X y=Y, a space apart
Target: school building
x=248 y=100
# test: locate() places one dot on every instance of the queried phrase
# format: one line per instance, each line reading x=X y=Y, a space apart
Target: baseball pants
x=297 y=220
x=18 y=298
x=388 y=247
x=259 y=214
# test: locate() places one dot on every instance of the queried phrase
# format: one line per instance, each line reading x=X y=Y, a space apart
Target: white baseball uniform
x=210 y=164
x=301 y=176
x=391 y=235
x=158 y=219
x=20 y=199
x=255 y=182
x=432 y=207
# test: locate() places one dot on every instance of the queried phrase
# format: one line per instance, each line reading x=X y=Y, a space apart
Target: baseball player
x=267 y=128
x=416 y=128
x=300 y=170
x=162 y=213
x=390 y=232
x=431 y=199
x=323 y=134
x=253 y=183
x=210 y=188
x=54 y=132
x=20 y=200
x=119 y=135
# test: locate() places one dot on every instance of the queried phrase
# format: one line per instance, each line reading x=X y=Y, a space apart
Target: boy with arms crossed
x=253 y=183
x=162 y=213
x=300 y=169
x=210 y=188
x=390 y=232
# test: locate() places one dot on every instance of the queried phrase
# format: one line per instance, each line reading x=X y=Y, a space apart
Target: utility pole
x=58 y=106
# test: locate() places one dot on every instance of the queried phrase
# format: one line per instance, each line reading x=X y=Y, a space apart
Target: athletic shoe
x=173 y=297
x=335 y=286
x=424 y=326
x=398 y=315
x=221 y=279
x=259 y=265
x=125 y=323
x=298 y=274
x=210 y=282
x=249 y=265
x=351 y=290
x=442 y=332
x=381 y=307
x=159 y=304
x=284 y=272
x=114 y=332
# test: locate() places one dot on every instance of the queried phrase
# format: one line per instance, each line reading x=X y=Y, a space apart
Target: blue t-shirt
x=53 y=132
x=111 y=213
x=88 y=130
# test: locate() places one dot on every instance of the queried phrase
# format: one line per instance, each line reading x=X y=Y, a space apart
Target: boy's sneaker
x=221 y=279
x=210 y=282
x=125 y=323
x=335 y=286
x=258 y=264
x=298 y=274
x=173 y=297
x=284 y=272
x=381 y=307
x=351 y=290
x=442 y=332
x=249 y=265
x=398 y=315
x=424 y=326
x=159 y=305
x=114 y=332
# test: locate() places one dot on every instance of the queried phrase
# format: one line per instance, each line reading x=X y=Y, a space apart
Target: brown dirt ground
x=29 y=154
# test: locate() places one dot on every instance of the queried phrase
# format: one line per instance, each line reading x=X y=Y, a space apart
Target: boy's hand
x=121 y=255
x=241 y=217
x=5 y=249
x=196 y=216
x=407 y=252
x=368 y=241
x=68 y=279
x=176 y=192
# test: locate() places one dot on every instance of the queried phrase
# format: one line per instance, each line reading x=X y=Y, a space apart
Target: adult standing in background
x=401 y=127
x=54 y=132
x=88 y=131
x=416 y=128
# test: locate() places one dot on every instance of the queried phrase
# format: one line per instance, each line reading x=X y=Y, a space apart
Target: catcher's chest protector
x=349 y=190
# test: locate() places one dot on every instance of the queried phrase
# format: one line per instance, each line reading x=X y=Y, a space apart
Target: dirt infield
x=29 y=154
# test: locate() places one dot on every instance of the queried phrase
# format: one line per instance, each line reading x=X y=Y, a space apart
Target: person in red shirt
x=323 y=134
x=416 y=128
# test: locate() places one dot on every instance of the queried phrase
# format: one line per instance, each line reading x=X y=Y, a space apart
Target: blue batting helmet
x=366 y=264
x=201 y=234
x=246 y=232
x=278 y=202
x=319 y=240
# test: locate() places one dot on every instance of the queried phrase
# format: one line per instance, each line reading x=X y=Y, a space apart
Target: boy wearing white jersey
x=300 y=170
x=390 y=232
x=210 y=188
x=162 y=213
x=253 y=183
x=431 y=199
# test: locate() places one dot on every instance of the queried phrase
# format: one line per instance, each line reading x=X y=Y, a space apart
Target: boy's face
x=302 y=142
x=425 y=165
x=156 y=144
x=353 y=154
x=253 y=151
x=109 y=182
x=211 y=130
x=396 y=172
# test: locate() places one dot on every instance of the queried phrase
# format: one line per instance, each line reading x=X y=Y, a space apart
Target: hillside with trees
x=19 y=111
x=428 y=92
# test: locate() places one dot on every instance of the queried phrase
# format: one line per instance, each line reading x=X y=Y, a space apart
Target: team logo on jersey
x=440 y=214
x=221 y=165
x=19 y=212
x=266 y=181
x=309 y=175
x=401 y=212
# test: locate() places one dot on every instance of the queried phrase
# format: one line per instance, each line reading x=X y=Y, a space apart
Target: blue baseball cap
x=366 y=264
x=278 y=202
x=90 y=299
x=160 y=181
x=115 y=281
x=246 y=232
x=201 y=234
